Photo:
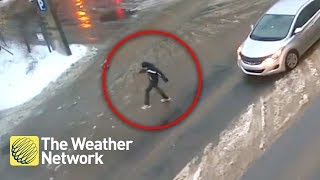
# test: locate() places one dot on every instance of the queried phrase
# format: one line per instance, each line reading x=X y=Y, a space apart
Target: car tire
x=292 y=60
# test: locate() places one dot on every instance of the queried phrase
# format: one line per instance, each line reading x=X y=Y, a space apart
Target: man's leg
x=165 y=98
x=147 y=95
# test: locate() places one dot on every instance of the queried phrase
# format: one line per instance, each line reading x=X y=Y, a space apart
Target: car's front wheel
x=292 y=60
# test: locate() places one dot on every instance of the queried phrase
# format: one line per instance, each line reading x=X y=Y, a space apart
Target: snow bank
x=4 y=2
x=23 y=75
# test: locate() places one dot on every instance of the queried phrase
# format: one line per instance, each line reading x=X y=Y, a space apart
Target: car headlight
x=269 y=61
x=273 y=58
x=277 y=54
x=239 y=51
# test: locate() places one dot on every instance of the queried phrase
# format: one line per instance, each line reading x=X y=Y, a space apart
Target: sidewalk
x=24 y=75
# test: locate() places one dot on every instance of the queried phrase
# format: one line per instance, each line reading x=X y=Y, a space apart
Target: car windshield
x=272 y=27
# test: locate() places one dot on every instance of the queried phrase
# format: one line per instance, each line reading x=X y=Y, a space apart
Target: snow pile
x=4 y=2
x=24 y=75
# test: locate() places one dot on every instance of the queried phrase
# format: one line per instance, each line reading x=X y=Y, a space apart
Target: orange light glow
x=86 y=26
x=82 y=16
x=79 y=3
x=81 y=13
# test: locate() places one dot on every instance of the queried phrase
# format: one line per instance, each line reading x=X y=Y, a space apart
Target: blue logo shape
x=42 y=5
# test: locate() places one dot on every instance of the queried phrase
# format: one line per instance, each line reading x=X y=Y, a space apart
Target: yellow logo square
x=24 y=150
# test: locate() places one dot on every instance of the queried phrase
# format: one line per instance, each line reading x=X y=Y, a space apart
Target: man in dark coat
x=153 y=75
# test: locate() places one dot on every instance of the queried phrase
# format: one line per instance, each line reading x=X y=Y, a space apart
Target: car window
x=307 y=13
x=272 y=27
x=316 y=4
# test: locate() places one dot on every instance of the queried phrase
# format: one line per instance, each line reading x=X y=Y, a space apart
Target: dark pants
x=149 y=88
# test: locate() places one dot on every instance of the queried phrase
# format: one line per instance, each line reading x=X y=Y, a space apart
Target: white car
x=285 y=32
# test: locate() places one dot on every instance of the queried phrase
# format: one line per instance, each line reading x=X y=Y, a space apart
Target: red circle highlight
x=152 y=32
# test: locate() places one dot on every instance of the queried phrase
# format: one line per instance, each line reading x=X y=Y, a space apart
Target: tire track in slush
x=259 y=126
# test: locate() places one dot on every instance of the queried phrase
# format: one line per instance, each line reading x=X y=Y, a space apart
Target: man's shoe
x=144 y=107
x=163 y=100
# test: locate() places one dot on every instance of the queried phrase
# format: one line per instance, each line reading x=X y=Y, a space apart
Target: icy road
x=236 y=119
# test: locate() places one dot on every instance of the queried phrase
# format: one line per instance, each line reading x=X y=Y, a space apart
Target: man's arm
x=142 y=71
x=163 y=77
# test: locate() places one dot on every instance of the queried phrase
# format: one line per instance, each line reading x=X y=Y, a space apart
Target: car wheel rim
x=292 y=60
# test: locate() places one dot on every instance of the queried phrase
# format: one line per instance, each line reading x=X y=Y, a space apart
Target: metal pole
x=2 y=39
x=59 y=27
x=53 y=27
x=45 y=34
x=26 y=41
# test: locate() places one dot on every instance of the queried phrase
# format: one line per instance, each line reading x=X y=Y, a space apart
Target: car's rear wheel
x=292 y=60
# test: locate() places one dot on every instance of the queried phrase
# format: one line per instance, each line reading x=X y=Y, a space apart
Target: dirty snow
x=258 y=127
x=5 y=2
x=23 y=75
x=147 y=4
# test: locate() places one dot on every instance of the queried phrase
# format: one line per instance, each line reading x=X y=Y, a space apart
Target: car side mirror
x=298 y=30
x=252 y=27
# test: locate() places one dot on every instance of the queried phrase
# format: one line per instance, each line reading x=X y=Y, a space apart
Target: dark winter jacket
x=153 y=72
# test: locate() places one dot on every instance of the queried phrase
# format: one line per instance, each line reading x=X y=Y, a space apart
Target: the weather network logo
x=24 y=150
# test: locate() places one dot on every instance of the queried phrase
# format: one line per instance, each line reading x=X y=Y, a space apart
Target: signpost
x=42 y=5
x=40 y=37
x=52 y=27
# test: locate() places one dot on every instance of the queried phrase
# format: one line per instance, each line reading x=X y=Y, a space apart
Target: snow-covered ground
x=24 y=75
x=4 y=2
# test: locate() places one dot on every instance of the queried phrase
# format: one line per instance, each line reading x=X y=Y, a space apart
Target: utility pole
x=52 y=27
